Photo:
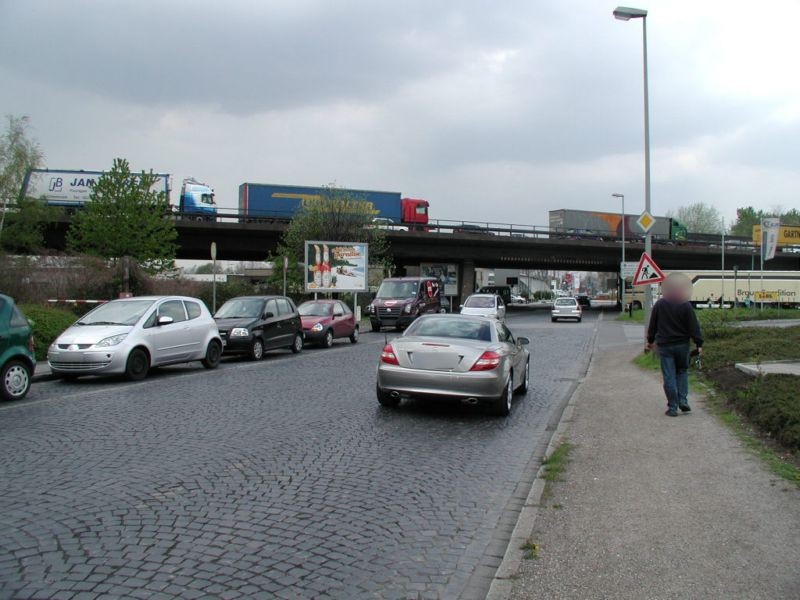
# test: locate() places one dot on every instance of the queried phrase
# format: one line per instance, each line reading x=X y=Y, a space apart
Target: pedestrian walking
x=672 y=326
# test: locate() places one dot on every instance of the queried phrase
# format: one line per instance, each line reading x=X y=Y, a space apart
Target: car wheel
x=376 y=327
x=138 y=365
x=327 y=341
x=502 y=405
x=16 y=380
x=257 y=349
x=442 y=310
x=523 y=387
x=297 y=344
x=354 y=336
x=579 y=319
x=386 y=399
x=213 y=355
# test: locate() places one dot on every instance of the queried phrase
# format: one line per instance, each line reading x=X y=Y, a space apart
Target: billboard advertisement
x=336 y=266
x=447 y=274
x=73 y=188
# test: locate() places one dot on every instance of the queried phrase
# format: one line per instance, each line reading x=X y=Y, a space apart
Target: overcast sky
x=492 y=111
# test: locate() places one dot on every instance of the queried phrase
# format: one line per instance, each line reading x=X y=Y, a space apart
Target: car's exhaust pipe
x=470 y=401
x=395 y=394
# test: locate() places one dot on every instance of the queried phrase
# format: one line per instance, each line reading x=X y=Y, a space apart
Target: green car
x=17 y=361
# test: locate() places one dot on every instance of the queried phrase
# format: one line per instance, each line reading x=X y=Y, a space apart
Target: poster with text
x=336 y=267
x=447 y=274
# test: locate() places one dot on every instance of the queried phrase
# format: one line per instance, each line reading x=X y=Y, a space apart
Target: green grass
x=728 y=345
x=555 y=464
x=638 y=317
x=532 y=549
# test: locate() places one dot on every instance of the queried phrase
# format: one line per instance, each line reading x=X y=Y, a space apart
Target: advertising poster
x=336 y=267
x=447 y=274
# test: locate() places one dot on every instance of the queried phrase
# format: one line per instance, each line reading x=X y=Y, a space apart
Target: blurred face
x=677 y=288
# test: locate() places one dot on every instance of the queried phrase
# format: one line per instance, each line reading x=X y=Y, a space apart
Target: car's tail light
x=487 y=361
x=388 y=356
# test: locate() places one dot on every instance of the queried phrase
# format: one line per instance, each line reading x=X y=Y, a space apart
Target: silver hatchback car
x=566 y=308
x=131 y=335
x=473 y=359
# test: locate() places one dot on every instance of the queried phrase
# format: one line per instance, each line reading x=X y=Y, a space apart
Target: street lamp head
x=623 y=13
x=617 y=195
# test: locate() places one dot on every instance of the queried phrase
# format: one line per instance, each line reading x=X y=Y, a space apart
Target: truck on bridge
x=279 y=203
x=589 y=224
x=72 y=190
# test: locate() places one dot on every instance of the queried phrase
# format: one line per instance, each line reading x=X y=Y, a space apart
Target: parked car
x=251 y=325
x=400 y=300
x=326 y=320
x=473 y=359
x=517 y=299
x=131 y=335
x=17 y=360
x=484 y=305
x=584 y=300
x=566 y=308
x=504 y=291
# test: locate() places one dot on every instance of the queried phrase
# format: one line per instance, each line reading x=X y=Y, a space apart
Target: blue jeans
x=675 y=369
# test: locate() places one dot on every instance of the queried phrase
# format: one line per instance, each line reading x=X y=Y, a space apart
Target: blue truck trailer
x=279 y=203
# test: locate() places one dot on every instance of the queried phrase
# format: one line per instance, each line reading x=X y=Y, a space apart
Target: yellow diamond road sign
x=646 y=221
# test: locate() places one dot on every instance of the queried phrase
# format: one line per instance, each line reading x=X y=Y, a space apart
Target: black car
x=584 y=300
x=253 y=324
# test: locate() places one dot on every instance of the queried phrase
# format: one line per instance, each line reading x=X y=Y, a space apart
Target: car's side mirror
x=523 y=341
x=164 y=320
x=268 y=315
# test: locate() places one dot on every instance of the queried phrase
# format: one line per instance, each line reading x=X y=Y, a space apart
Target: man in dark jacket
x=672 y=324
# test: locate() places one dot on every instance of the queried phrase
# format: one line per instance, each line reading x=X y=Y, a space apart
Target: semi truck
x=715 y=289
x=566 y=223
x=279 y=203
x=72 y=190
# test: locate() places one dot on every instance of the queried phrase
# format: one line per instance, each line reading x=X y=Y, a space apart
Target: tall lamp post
x=623 y=13
x=622 y=264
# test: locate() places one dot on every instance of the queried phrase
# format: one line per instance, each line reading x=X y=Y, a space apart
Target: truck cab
x=414 y=212
x=197 y=201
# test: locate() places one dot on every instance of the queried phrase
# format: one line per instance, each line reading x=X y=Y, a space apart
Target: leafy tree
x=791 y=217
x=746 y=217
x=18 y=154
x=699 y=217
x=125 y=221
x=24 y=227
x=338 y=216
x=208 y=269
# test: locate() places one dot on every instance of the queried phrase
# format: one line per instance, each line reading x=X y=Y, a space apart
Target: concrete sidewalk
x=656 y=507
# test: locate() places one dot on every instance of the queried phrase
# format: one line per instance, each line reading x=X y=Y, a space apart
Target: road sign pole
x=213 y=277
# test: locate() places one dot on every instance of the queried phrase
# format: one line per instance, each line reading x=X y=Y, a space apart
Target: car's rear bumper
x=414 y=382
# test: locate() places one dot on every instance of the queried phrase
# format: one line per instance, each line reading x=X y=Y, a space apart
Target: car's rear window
x=479 y=302
x=451 y=328
x=566 y=302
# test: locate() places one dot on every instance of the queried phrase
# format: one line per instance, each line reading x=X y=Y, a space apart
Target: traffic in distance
x=278 y=203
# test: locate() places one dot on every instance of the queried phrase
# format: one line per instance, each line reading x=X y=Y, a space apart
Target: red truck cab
x=415 y=212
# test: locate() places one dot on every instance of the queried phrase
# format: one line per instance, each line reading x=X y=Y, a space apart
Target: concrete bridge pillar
x=467 y=278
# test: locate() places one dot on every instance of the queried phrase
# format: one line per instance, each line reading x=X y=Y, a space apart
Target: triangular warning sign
x=647 y=272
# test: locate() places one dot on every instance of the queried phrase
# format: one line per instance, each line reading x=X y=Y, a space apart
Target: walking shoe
x=671 y=413
x=685 y=408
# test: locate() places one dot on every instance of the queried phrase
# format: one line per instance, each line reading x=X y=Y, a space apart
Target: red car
x=327 y=320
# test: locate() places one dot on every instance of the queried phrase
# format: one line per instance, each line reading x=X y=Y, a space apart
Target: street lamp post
x=622 y=264
x=624 y=13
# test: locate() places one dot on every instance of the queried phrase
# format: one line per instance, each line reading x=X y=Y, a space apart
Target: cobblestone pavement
x=278 y=479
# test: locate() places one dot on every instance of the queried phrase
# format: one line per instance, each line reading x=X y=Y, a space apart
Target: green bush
x=773 y=405
x=48 y=323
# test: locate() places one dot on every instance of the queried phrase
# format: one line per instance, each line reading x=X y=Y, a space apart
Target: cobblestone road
x=278 y=479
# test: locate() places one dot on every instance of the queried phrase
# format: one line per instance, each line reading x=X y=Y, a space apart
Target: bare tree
x=18 y=154
x=699 y=217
